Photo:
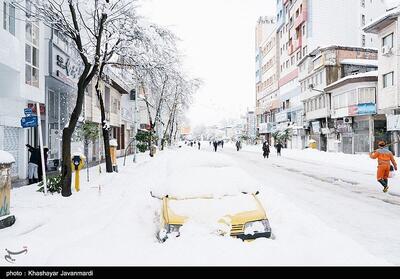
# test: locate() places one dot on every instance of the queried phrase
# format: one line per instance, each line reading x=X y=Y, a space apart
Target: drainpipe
x=396 y=147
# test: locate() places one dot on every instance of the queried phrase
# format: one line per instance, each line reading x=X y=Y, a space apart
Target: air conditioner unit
x=386 y=50
x=348 y=120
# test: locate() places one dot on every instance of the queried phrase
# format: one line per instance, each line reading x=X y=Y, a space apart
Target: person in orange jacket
x=384 y=156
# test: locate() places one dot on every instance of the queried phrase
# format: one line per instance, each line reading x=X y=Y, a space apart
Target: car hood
x=229 y=210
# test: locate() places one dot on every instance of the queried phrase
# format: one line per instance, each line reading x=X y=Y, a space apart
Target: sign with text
x=33 y=108
x=316 y=127
x=362 y=109
x=29 y=121
x=28 y=111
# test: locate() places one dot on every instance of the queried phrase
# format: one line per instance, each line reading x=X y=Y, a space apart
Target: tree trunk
x=106 y=135
x=66 y=142
x=66 y=163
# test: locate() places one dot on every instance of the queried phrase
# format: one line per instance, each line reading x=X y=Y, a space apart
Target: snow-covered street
x=324 y=209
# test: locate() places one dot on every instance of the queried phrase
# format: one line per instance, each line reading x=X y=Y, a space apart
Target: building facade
x=22 y=79
x=320 y=68
x=301 y=27
x=386 y=27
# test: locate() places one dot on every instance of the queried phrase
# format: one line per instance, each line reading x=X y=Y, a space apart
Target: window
x=304 y=51
x=366 y=95
x=32 y=54
x=362 y=20
x=9 y=17
x=363 y=40
x=114 y=108
x=388 y=40
x=352 y=95
x=363 y=3
x=388 y=79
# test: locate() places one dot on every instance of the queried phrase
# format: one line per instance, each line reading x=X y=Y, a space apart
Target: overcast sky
x=218 y=44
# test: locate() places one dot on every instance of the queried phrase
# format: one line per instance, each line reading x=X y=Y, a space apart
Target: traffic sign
x=28 y=111
x=29 y=121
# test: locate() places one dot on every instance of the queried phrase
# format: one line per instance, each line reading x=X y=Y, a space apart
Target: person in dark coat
x=34 y=163
x=278 y=147
x=265 y=149
x=215 y=146
x=222 y=144
x=198 y=143
x=237 y=145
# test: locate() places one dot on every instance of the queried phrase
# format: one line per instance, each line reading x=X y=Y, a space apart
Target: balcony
x=300 y=19
x=298 y=43
x=291 y=49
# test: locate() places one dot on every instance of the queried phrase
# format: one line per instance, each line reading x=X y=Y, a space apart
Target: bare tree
x=85 y=23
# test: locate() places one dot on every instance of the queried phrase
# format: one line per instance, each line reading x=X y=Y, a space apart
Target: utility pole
x=135 y=114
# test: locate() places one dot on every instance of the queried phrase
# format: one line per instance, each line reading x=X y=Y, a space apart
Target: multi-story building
x=303 y=26
x=355 y=124
x=251 y=126
x=266 y=74
x=22 y=79
x=386 y=27
x=319 y=69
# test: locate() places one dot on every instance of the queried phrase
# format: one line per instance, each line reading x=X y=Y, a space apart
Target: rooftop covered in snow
x=383 y=21
x=360 y=62
x=362 y=77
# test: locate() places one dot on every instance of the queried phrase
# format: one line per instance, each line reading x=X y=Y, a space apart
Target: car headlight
x=261 y=226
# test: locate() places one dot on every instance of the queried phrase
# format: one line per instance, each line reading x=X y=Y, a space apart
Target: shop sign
x=281 y=117
x=362 y=109
x=32 y=107
x=343 y=127
x=316 y=126
x=393 y=122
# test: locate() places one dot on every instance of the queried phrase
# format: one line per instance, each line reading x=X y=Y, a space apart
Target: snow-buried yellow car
x=240 y=216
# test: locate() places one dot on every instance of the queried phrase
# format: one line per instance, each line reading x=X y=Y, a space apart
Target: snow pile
x=6 y=158
x=314 y=223
x=212 y=210
x=113 y=142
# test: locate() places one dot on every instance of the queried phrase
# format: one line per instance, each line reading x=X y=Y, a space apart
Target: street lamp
x=135 y=115
x=311 y=87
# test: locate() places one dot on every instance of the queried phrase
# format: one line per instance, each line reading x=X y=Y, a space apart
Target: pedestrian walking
x=33 y=165
x=215 y=146
x=265 y=149
x=222 y=144
x=385 y=157
x=198 y=143
x=278 y=147
x=237 y=145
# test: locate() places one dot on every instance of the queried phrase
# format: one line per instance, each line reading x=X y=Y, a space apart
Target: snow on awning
x=382 y=21
x=360 y=62
x=372 y=76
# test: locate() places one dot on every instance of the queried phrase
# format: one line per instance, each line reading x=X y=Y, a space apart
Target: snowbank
x=6 y=158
